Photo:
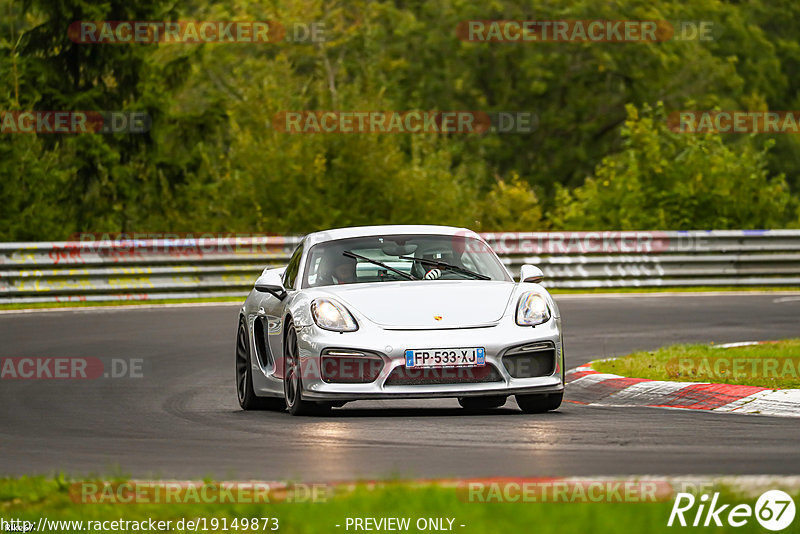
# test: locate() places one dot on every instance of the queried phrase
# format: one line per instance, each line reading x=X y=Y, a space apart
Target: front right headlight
x=332 y=315
x=532 y=309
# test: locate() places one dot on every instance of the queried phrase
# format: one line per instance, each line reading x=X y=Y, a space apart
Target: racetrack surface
x=181 y=420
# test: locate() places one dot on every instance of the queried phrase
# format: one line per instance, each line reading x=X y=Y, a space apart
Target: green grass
x=774 y=366
x=31 y=498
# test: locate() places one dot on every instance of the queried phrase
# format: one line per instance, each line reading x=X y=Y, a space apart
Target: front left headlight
x=532 y=309
x=332 y=315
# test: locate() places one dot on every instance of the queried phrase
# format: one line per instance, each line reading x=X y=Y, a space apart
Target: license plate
x=445 y=357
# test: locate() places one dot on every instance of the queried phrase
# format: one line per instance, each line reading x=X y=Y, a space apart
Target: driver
x=342 y=270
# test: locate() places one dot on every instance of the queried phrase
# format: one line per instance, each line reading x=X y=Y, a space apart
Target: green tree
x=211 y=161
x=666 y=180
x=511 y=205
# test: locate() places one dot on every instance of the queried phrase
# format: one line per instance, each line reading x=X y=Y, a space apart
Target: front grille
x=402 y=376
x=528 y=361
x=350 y=367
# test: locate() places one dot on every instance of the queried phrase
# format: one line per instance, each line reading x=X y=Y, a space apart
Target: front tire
x=293 y=380
x=248 y=399
x=539 y=403
x=478 y=404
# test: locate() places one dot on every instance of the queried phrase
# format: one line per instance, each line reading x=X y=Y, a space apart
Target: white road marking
x=785 y=299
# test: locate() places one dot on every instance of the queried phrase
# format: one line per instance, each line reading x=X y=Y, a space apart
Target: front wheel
x=248 y=399
x=539 y=403
x=293 y=380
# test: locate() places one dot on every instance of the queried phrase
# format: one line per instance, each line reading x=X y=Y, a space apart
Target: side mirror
x=270 y=282
x=530 y=273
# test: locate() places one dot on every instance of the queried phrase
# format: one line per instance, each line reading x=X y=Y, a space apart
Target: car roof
x=389 y=229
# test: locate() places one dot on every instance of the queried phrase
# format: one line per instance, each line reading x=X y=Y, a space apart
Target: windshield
x=401 y=258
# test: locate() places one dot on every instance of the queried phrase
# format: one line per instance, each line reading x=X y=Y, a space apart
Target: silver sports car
x=384 y=312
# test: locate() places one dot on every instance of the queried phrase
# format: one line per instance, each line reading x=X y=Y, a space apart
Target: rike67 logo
x=774 y=510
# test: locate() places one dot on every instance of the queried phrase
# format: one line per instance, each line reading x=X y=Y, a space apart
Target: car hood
x=427 y=304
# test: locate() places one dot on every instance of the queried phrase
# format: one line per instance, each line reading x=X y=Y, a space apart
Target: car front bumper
x=390 y=347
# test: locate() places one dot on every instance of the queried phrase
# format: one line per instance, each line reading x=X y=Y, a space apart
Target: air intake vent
x=402 y=376
x=341 y=366
x=532 y=360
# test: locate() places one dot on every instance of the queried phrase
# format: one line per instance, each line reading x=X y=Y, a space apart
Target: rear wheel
x=481 y=403
x=293 y=380
x=539 y=403
x=244 y=377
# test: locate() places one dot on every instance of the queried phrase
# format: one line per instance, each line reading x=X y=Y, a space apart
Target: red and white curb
x=587 y=386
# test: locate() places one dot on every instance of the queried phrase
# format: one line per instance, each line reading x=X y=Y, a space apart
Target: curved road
x=181 y=419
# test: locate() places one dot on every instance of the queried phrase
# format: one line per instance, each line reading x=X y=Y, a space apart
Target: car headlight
x=331 y=315
x=532 y=309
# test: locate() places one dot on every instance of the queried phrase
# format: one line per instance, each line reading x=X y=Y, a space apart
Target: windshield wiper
x=449 y=266
x=379 y=263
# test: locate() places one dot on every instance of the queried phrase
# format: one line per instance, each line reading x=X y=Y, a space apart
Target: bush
x=667 y=180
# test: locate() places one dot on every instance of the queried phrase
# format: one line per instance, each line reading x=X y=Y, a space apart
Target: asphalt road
x=181 y=419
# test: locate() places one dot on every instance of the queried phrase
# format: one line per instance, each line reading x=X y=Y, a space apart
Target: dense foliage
x=600 y=156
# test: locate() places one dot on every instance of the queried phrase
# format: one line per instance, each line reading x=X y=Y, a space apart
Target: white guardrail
x=190 y=267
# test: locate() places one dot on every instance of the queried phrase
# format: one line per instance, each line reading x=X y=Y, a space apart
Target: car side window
x=290 y=274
